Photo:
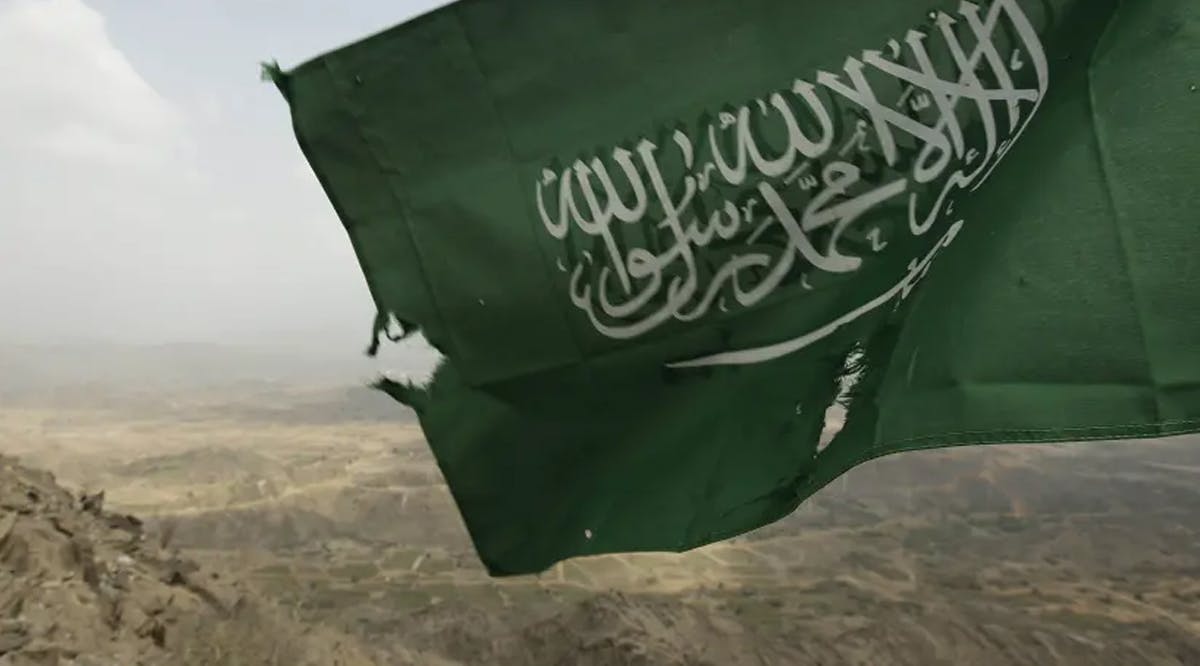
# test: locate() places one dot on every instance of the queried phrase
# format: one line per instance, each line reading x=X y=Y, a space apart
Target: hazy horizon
x=153 y=191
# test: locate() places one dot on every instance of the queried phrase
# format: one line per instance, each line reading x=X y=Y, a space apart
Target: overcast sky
x=150 y=187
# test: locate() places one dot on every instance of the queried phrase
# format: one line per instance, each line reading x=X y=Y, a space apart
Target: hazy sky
x=150 y=187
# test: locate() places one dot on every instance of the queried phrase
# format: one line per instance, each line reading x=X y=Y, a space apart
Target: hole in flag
x=835 y=413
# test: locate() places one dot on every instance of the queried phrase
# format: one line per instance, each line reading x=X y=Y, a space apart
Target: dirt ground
x=291 y=523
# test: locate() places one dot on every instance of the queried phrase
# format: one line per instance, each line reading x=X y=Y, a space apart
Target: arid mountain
x=125 y=375
x=81 y=585
x=321 y=509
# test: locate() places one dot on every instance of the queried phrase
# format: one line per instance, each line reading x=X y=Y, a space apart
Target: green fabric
x=970 y=223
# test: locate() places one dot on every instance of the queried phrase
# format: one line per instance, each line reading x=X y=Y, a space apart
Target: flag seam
x=1102 y=161
x=1065 y=435
x=402 y=212
x=455 y=10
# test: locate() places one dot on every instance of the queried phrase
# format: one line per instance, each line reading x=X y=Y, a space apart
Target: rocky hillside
x=81 y=585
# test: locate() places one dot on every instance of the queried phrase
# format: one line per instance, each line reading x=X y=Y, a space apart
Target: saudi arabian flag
x=656 y=240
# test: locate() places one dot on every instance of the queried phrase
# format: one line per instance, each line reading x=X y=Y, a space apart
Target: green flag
x=656 y=241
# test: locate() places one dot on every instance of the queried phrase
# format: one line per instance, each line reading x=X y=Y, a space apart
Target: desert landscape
x=294 y=516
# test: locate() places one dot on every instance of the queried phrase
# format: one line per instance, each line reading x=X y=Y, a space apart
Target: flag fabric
x=656 y=241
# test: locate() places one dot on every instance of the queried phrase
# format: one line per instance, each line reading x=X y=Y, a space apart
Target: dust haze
x=181 y=347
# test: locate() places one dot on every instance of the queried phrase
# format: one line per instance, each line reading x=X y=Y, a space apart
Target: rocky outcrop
x=81 y=585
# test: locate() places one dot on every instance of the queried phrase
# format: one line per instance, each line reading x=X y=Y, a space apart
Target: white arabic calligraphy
x=771 y=191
